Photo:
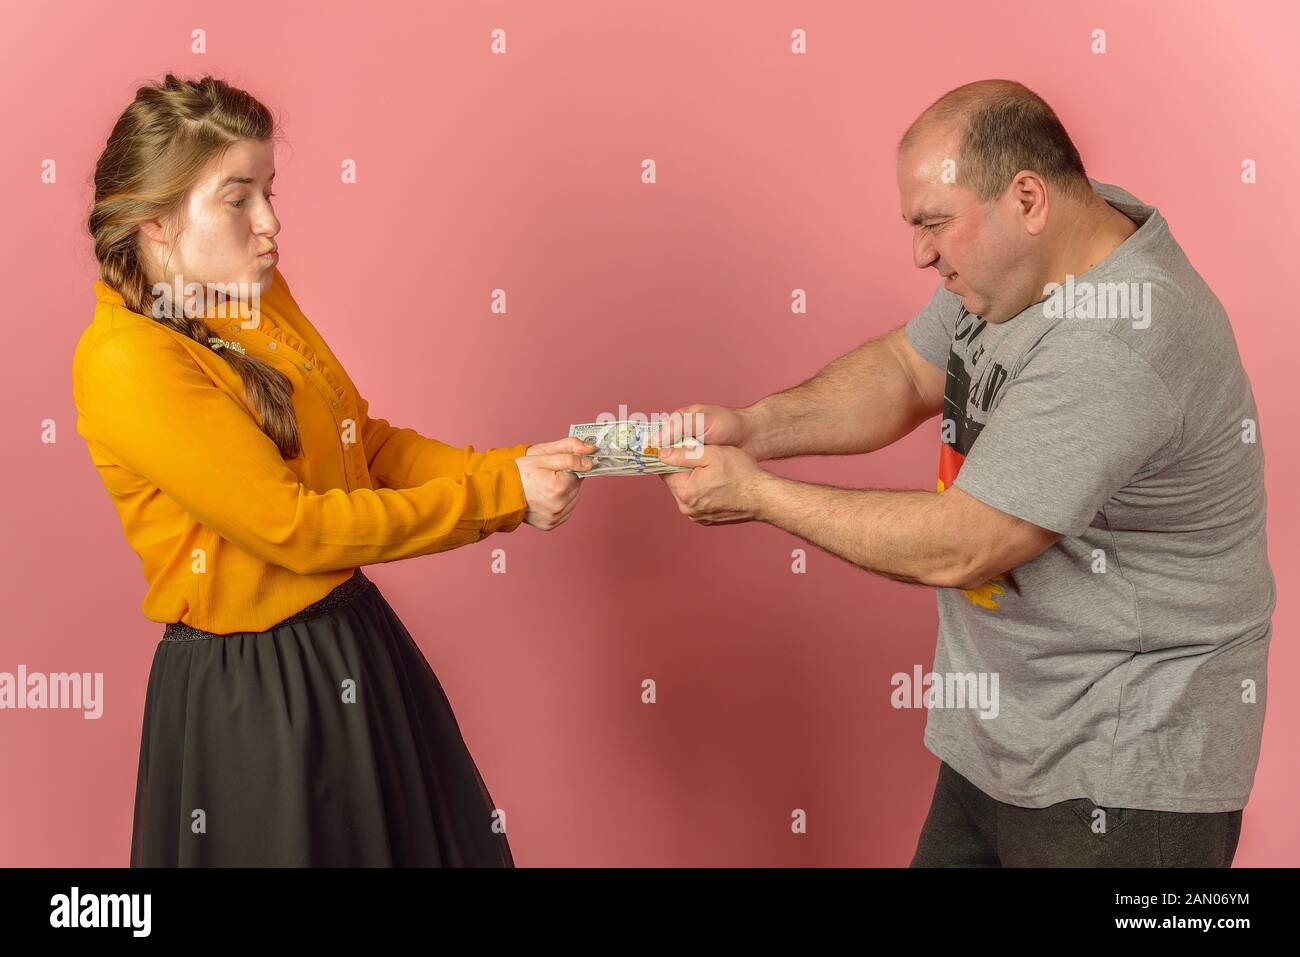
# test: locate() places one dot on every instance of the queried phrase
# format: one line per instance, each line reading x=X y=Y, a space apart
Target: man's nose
x=923 y=252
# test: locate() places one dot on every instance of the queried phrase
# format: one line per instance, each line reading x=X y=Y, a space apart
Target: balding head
x=997 y=196
x=993 y=129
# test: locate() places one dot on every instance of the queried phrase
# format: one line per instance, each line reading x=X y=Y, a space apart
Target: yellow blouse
x=233 y=537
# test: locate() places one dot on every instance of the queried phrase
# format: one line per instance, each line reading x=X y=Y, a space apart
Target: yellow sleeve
x=152 y=409
x=403 y=458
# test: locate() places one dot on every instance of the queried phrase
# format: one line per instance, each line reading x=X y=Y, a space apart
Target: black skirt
x=324 y=741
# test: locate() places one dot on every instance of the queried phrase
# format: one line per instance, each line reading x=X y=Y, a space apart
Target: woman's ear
x=153 y=229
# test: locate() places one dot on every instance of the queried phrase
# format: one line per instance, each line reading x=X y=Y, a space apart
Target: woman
x=290 y=719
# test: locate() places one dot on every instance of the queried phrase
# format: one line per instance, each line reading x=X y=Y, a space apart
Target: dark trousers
x=967 y=828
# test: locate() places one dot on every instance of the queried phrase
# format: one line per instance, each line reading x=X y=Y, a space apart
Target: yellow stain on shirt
x=986 y=595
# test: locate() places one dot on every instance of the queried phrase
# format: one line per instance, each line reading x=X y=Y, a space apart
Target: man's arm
x=945 y=540
x=1085 y=417
x=862 y=401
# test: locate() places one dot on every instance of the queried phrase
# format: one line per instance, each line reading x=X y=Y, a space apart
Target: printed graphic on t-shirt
x=967 y=397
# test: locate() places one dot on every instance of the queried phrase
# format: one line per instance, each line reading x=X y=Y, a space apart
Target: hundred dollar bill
x=626 y=448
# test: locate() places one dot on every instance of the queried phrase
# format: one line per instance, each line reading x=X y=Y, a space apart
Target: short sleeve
x=930 y=330
x=1084 y=416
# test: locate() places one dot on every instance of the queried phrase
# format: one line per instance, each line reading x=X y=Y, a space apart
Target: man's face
x=975 y=246
x=228 y=224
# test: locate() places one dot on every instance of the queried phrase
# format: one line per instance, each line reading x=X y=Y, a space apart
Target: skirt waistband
x=341 y=595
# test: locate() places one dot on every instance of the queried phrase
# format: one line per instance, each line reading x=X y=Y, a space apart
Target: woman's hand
x=551 y=491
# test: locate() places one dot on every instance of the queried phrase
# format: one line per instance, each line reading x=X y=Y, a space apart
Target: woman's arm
x=403 y=458
x=147 y=403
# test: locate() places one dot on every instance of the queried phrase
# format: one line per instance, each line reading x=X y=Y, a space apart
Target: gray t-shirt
x=1131 y=655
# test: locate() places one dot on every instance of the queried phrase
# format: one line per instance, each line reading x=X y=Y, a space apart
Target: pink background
x=522 y=171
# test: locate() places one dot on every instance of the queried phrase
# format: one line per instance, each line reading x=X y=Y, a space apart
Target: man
x=1097 y=539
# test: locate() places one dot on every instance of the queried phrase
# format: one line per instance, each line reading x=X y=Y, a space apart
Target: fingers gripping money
x=629 y=447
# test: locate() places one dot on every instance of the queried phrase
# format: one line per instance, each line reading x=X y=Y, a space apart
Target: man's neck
x=1099 y=230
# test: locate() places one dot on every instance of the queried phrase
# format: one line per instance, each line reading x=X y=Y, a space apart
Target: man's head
x=979 y=173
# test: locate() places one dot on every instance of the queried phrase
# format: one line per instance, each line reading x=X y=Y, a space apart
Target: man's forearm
x=862 y=401
x=900 y=534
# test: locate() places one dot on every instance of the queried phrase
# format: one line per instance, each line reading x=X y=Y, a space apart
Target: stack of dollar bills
x=626 y=448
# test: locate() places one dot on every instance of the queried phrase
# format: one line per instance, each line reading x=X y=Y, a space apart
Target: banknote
x=626 y=447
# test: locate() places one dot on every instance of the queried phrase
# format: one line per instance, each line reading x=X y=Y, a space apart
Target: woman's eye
x=239 y=203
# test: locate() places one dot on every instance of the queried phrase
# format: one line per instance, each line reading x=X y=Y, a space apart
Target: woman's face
x=228 y=227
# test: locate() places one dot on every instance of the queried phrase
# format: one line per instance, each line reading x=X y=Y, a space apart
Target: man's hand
x=713 y=425
x=551 y=491
x=724 y=486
